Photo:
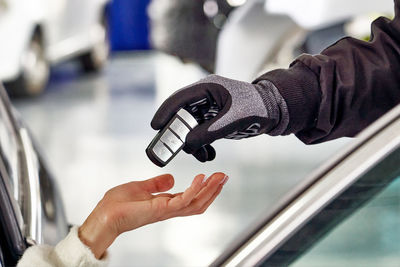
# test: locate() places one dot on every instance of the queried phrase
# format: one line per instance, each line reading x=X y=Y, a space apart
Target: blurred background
x=88 y=75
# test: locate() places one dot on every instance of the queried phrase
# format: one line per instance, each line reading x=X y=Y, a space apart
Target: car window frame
x=252 y=248
x=349 y=203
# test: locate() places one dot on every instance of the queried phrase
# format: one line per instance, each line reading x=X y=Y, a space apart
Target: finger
x=207 y=181
x=201 y=203
x=201 y=154
x=164 y=195
x=184 y=199
x=217 y=180
x=205 y=153
x=211 y=153
x=176 y=101
x=211 y=200
x=191 y=210
x=157 y=184
x=167 y=195
x=207 y=204
x=201 y=136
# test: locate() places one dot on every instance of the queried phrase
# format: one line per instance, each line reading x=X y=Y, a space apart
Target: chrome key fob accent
x=170 y=140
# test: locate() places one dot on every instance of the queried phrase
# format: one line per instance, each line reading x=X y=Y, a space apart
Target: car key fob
x=171 y=139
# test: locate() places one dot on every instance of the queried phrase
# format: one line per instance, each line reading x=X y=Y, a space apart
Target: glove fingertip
x=161 y=118
x=201 y=154
x=211 y=153
x=155 y=124
x=190 y=149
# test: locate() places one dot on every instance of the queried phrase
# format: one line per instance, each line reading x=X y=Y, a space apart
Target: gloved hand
x=225 y=108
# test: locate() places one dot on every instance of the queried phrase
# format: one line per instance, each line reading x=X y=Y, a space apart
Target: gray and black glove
x=225 y=108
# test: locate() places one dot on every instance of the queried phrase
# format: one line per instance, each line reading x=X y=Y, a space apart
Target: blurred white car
x=37 y=33
x=263 y=34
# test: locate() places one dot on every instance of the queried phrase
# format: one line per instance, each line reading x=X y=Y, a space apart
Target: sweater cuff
x=72 y=252
x=299 y=87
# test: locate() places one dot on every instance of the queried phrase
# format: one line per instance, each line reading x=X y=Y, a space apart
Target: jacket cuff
x=299 y=87
x=72 y=252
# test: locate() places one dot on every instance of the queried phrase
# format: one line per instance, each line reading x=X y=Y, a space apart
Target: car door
x=74 y=17
x=63 y=21
x=12 y=242
x=71 y=26
x=12 y=224
x=347 y=214
x=54 y=22
x=80 y=19
x=1 y=258
x=31 y=210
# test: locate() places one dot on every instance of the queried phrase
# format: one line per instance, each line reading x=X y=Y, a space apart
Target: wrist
x=94 y=234
x=299 y=87
x=275 y=105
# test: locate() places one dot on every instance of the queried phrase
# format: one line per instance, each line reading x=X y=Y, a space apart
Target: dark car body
x=31 y=210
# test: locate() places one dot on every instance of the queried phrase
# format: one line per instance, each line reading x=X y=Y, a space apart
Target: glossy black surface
x=1 y=258
x=13 y=240
x=341 y=208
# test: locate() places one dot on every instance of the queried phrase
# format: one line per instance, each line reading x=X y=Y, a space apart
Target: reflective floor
x=94 y=130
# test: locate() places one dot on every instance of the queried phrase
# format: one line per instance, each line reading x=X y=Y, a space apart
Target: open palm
x=129 y=206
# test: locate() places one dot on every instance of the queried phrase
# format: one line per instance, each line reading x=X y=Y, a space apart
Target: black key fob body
x=171 y=139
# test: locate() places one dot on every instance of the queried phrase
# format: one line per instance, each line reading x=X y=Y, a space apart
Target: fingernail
x=226 y=178
x=204 y=179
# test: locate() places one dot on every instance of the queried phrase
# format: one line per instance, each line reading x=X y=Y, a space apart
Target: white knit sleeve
x=70 y=252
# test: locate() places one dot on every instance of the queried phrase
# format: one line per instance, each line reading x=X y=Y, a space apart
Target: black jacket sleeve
x=345 y=88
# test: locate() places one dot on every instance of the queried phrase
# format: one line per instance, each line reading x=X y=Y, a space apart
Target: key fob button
x=188 y=118
x=180 y=129
x=171 y=140
x=162 y=152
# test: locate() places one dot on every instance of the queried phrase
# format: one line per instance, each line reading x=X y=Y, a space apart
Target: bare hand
x=132 y=205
